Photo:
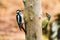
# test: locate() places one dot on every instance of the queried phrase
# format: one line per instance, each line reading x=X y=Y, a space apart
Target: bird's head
x=48 y=16
x=18 y=11
x=58 y=17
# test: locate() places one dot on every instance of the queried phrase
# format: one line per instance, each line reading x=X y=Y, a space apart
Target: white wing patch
x=18 y=18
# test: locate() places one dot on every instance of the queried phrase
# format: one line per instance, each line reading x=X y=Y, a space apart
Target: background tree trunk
x=33 y=14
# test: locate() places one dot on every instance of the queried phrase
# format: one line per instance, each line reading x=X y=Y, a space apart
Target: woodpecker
x=55 y=28
x=19 y=18
x=45 y=22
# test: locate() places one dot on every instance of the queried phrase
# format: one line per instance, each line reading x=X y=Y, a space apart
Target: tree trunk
x=33 y=14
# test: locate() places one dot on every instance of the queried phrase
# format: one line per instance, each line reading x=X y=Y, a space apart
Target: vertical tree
x=33 y=17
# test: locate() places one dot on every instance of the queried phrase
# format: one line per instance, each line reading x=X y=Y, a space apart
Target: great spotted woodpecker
x=55 y=28
x=19 y=18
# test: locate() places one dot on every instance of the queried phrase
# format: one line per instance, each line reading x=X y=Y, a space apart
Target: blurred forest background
x=8 y=26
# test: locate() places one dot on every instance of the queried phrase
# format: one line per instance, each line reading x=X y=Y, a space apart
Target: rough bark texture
x=33 y=18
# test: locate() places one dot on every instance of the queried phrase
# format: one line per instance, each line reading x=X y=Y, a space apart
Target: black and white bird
x=19 y=18
x=55 y=29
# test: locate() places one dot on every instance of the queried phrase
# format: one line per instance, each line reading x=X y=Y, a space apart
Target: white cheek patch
x=17 y=11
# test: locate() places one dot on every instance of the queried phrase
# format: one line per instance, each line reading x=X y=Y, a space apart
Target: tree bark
x=33 y=17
